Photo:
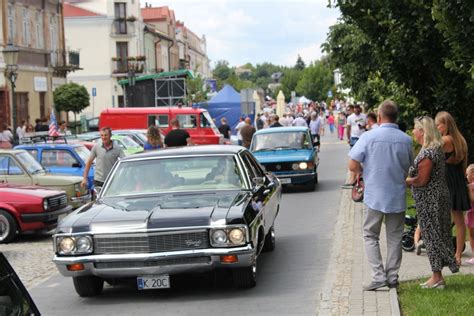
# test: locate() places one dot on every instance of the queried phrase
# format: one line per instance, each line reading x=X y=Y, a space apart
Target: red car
x=29 y=208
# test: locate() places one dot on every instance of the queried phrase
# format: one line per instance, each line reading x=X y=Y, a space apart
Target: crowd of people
x=437 y=178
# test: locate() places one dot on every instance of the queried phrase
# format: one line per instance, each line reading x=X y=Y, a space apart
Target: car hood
x=57 y=180
x=142 y=213
x=280 y=155
x=7 y=190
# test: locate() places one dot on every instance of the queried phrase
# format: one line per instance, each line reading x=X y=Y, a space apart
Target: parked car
x=69 y=159
x=14 y=297
x=137 y=135
x=166 y=212
x=17 y=166
x=128 y=146
x=29 y=208
x=289 y=153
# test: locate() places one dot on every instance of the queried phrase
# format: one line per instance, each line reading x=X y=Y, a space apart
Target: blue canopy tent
x=226 y=103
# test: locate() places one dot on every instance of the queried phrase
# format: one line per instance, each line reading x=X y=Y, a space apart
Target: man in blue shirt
x=384 y=154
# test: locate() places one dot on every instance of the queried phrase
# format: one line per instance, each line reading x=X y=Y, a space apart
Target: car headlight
x=236 y=236
x=74 y=245
x=66 y=245
x=83 y=244
x=219 y=237
x=303 y=165
x=229 y=236
x=45 y=204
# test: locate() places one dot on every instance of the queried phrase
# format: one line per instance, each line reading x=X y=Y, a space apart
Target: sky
x=257 y=31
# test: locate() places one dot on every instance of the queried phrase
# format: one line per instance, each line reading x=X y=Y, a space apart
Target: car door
x=61 y=161
x=11 y=171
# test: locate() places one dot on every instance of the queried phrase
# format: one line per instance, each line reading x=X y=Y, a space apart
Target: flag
x=53 y=125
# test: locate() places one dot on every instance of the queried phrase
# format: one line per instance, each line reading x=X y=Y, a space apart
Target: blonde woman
x=153 y=139
x=455 y=151
x=431 y=194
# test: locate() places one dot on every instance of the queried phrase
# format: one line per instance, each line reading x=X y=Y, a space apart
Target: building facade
x=111 y=38
x=36 y=29
x=192 y=51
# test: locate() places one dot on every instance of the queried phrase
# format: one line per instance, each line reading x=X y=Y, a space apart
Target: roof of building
x=158 y=13
x=176 y=73
x=71 y=11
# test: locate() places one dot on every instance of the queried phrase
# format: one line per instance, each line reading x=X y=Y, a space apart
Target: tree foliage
x=315 y=82
x=196 y=90
x=71 y=97
x=420 y=52
x=300 y=65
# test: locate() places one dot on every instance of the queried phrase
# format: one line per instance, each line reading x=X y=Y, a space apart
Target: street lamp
x=131 y=83
x=10 y=56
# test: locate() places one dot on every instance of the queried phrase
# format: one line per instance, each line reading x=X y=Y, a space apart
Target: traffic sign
x=329 y=94
x=94 y=92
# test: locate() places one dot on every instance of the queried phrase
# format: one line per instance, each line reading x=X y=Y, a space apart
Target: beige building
x=111 y=39
x=34 y=28
x=192 y=51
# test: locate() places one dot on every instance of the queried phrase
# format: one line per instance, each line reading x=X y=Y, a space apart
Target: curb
x=394 y=304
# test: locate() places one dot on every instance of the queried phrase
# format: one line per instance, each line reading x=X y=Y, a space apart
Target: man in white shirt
x=356 y=123
x=21 y=130
x=237 y=128
x=300 y=121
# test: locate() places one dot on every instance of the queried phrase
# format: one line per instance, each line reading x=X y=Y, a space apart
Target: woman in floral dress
x=431 y=194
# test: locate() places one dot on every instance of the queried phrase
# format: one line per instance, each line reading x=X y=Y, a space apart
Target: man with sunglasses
x=386 y=154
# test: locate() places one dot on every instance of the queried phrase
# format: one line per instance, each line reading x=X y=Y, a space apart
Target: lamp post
x=10 y=56
x=131 y=83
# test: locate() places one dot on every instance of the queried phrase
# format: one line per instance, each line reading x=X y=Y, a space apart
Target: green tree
x=222 y=71
x=196 y=90
x=300 y=65
x=71 y=97
x=290 y=80
x=315 y=82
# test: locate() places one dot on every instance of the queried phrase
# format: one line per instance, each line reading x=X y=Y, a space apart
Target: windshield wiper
x=114 y=205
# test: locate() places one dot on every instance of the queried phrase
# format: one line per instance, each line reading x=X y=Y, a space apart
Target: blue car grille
x=142 y=243
x=57 y=202
x=278 y=166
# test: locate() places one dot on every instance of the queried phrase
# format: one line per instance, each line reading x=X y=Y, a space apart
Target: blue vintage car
x=62 y=158
x=289 y=153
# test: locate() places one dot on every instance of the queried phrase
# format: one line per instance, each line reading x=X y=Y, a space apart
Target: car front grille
x=151 y=263
x=279 y=166
x=143 y=243
x=57 y=202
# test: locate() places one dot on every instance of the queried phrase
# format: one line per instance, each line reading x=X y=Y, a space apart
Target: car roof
x=188 y=151
x=282 y=129
x=12 y=151
x=49 y=145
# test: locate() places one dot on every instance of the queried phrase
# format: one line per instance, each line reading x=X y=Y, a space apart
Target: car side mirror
x=76 y=165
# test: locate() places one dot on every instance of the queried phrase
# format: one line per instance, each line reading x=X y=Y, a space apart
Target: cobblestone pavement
x=31 y=257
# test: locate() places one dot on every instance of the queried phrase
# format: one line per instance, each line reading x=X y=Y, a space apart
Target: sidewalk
x=348 y=269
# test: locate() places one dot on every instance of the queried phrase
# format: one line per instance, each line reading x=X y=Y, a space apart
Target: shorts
x=353 y=140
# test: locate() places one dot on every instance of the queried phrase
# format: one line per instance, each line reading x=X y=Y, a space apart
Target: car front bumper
x=81 y=200
x=46 y=216
x=295 y=178
x=176 y=262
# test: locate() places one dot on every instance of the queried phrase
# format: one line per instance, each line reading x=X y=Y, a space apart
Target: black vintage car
x=172 y=211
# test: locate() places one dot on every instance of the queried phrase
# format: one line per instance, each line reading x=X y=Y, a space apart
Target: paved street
x=290 y=278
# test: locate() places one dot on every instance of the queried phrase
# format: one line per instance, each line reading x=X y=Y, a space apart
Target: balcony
x=64 y=61
x=123 y=28
x=121 y=66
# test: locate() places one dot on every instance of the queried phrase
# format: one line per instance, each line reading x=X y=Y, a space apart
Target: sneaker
x=470 y=261
x=393 y=285
x=347 y=185
x=372 y=286
x=418 y=246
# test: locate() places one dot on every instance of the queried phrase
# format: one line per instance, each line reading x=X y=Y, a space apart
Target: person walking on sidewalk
x=430 y=191
x=356 y=123
x=386 y=154
x=470 y=213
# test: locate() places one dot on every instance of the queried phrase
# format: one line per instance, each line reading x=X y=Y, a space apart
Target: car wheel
x=408 y=242
x=245 y=278
x=311 y=185
x=8 y=227
x=88 y=285
x=269 y=244
x=316 y=178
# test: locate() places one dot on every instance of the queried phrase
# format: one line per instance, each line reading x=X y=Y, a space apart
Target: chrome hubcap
x=4 y=228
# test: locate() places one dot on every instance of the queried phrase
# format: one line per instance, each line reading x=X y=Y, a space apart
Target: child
x=470 y=213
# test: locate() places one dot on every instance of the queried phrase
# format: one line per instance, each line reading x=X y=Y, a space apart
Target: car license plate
x=148 y=282
x=285 y=180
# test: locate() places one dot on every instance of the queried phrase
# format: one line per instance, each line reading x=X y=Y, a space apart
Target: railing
x=64 y=59
x=123 y=65
x=122 y=27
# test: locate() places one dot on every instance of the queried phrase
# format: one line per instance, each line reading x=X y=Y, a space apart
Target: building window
x=122 y=54
x=53 y=35
x=121 y=18
x=11 y=23
x=26 y=29
x=39 y=30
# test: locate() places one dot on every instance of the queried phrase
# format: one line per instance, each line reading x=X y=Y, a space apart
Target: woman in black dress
x=431 y=194
x=455 y=150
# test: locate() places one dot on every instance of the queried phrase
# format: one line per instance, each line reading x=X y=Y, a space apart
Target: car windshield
x=29 y=163
x=83 y=152
x=281 y=140
x=128 y=142
x=174 y=174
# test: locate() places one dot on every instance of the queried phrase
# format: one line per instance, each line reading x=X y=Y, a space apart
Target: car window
x=29 y=163
x=187 y=120
x=9 y=166
x=33 y=152
x=175 y=174
x=58 y=158
x=248 y=166
x=83 y=152
x=128 y=142
x=255 y=165
x=158 y=120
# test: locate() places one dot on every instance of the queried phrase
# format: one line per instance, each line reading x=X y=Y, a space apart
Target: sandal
x=470 y=261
